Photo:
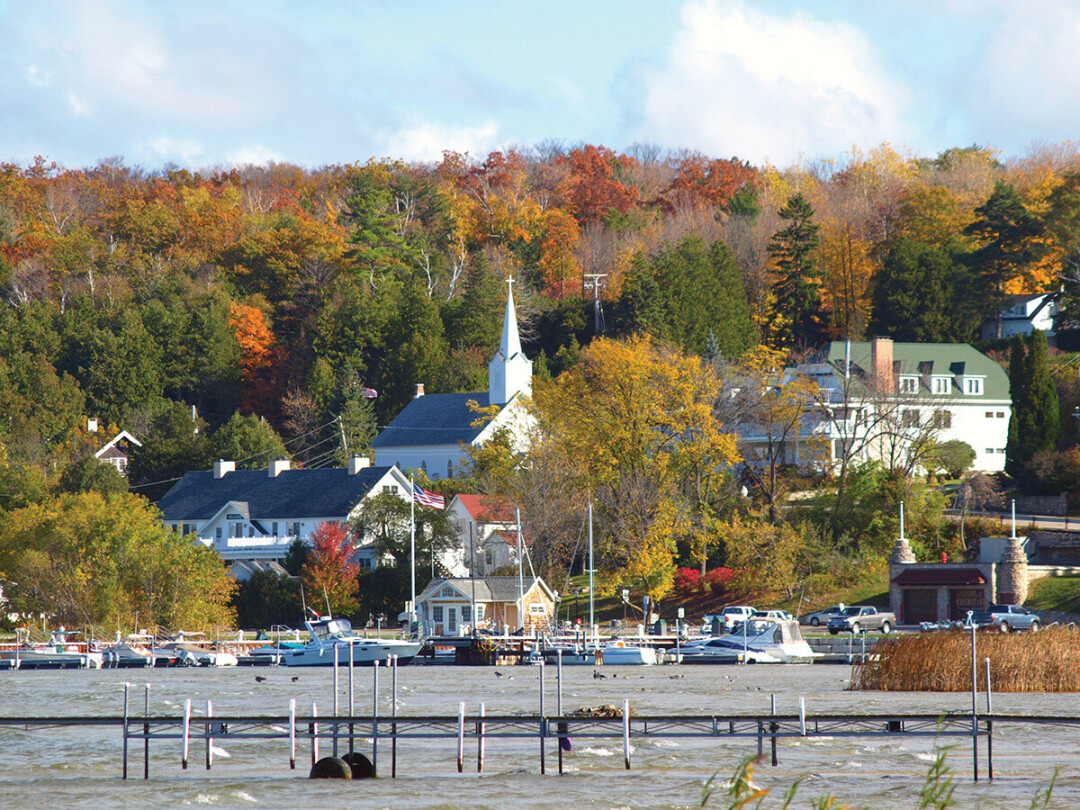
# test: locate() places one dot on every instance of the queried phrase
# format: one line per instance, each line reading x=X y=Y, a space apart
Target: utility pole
x=593 y=280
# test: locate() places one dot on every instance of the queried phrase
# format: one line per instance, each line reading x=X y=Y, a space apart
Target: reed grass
x=1047 y=661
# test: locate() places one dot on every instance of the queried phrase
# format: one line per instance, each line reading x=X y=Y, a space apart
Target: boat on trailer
x=328 y=634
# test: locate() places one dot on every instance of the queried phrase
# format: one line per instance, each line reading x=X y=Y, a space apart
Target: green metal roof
x=927 y=360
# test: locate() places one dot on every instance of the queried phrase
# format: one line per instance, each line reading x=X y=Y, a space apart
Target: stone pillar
x=901 y=555
x=1012 y=574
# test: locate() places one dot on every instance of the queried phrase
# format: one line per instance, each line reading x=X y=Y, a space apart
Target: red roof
x=940 y=575
x=485 y=509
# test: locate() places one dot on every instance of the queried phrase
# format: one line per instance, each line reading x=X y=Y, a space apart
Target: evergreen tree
x=915 y=298
x=797 y=288
x=1035 y=422
x=249 y=441
x=1007 y=231
x=355 y=413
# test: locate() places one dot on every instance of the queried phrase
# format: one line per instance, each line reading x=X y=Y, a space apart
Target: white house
x=117 y=450
x=502 y=604
x=880 y=395
x=1023 y=315
x=491 y=525
x=433 y=430
x=256 y=514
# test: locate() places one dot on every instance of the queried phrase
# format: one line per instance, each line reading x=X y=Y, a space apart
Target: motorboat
x=328 y=634
x=760 y=641
x=617 y=652
x=189 y=655
x=59 y=652
x=123 y=655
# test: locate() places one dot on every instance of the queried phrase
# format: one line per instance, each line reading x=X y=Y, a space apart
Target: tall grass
x=1047 y=661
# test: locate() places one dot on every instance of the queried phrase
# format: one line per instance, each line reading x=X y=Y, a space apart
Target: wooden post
x=186 y=733
x=480 y=728
x=335 y=704
x=146 y=734
x=543 y=760
x=375 y=720
x=126 y=686
x=292 y=734
x=393 y=714
x=209 y=735
x=461 y=738
x=314 y=727
x=626 y=732
x=989 y=726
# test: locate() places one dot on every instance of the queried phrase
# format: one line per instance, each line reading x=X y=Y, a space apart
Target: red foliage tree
x=330 y=573
x=593 y=189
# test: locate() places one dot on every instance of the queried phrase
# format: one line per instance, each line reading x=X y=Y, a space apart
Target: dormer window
x=941 y=385
x=909 y=385
x=973 y=386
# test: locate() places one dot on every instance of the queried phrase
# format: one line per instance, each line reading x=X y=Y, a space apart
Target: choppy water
x=65 y=767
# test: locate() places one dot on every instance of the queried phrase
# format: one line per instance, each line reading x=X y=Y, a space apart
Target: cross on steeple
x=509 y=285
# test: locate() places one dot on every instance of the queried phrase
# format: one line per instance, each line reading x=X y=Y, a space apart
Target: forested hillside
x=263 y=301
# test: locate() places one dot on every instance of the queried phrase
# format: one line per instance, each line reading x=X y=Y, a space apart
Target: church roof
x=434 y=419
x=292 y=494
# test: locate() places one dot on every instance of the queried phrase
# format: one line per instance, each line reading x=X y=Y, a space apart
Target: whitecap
x=247 y=797
x=220 y=752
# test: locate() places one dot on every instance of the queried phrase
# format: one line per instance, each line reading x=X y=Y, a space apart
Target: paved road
x=1023 y=521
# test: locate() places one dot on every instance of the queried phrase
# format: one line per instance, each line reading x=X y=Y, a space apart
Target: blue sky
x=226 y=82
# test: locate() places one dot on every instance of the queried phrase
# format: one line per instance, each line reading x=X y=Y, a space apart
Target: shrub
x=687 y=581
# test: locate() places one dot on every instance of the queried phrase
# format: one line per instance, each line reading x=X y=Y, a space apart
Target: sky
x=218 y=83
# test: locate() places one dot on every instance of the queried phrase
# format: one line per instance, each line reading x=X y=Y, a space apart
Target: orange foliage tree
x=256 y=352
x=593 y=189
x=329 y=575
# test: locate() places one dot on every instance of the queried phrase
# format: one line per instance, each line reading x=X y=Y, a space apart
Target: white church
x=433 y=431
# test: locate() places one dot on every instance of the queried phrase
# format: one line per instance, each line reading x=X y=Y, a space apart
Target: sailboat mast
x=592 y=621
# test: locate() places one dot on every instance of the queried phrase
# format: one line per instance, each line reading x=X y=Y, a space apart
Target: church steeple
x=510 y=371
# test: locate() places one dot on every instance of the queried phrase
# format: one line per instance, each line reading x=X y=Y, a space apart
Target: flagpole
x=412 y=555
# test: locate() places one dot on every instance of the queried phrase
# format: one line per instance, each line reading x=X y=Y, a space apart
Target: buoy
x=361 y=765
x=331 y=768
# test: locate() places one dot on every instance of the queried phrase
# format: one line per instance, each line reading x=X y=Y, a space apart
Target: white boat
x=612 y=653
x=58 y=653
x=192 y=656
x=328 y=634
x=125 y=656
x=765 y=641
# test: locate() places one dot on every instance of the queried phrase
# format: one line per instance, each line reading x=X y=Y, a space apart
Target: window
x=973 y=385
x=217 y=532
x=910 y=418
x=1001 y=415
x=489 y=558
x=466 y=613
x=941 y=385
x=365 y=562
x=909 y=385
x=437 y=613
x=238 y=530
x=479 y=613
x=251 y=531
x=943 y=419
x=296 y=529
x=449 y=469
x=447 y=593
x=273 y=528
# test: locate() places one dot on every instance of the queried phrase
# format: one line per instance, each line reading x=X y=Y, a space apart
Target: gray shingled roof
x=925 y=360
x=488 y=589
x=293 y=494
x=434 y=419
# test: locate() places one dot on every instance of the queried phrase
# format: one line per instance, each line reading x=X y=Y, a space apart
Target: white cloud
x=78 y=105
x=188 y=152
x=1024 y=84
x=254 y=155
x=426 y=141
x=740 y=81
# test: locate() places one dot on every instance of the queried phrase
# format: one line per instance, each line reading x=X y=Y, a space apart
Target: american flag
x=425 y=498
x=370 y=393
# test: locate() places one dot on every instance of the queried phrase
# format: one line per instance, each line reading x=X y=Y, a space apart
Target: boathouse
x=446 y=605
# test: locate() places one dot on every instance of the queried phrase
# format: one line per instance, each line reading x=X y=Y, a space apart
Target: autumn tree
x=256 y=352
x=86 y=559
x=330 y=573
x=797 y=288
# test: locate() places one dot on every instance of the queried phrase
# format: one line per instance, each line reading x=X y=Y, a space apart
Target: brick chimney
x=277 y=466
x=881 y=360
x=419 y=391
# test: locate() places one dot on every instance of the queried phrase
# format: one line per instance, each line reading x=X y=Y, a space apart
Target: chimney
x=91 y=425
x=881 y=360
x=358 y=463
x=278 y=465
x=221 y=467
x=419 y=391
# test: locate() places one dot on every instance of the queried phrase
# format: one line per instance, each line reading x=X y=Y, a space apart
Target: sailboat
x=617 y=652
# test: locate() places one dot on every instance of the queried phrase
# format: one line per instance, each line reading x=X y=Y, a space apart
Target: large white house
x=432 y=432
x=1023 y=315
x=880 y=397
x=491 y=525
x=257 y=514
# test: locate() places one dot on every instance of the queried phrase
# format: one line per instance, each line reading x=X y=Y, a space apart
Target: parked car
x=858 y=618
x=772 y=614
x=731 y=616
x=1006 y=618
x=820 y=617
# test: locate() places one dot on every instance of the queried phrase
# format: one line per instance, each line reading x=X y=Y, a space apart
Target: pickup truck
x=1006 y=618
x=857 y=618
